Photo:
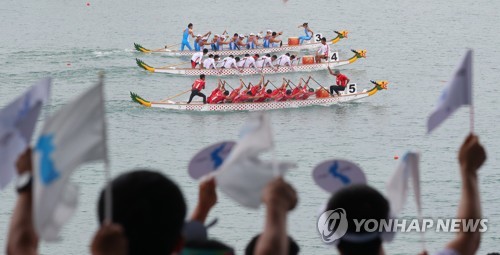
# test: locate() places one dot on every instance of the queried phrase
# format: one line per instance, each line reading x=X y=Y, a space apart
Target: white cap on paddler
x=242 y=35
x=198 y=35
x=252 y=34
x=269 y=31
x=204 y=38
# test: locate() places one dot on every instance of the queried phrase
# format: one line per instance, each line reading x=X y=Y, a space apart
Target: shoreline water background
x=413 y=45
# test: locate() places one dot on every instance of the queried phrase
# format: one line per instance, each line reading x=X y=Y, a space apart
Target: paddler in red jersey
x=219 y=97
x=256 y=88
x=234 y=93
x=283 y=95
x=197 y=86
x=263 y=95
x=220 y=88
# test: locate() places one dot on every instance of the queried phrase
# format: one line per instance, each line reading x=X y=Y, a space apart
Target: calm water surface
x=413 y=44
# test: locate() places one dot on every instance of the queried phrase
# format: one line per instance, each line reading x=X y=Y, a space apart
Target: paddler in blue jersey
x=185 y=36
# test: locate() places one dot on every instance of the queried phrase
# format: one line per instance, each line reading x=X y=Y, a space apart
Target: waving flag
x=457 y=92
x=17 y=122
x=397 y=187
x=75 y=135
x=243 y=176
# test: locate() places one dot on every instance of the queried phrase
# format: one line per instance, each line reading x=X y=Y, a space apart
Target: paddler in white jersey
x=247 y=61
x=285 y=60
x=209 y=63
x=265 y=61
x=230 y=62
x=196 y=59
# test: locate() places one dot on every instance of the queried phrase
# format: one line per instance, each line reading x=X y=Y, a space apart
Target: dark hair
x=288 y=92
x=249 y=93
x=274 y=56
x=237 y=58
x=226 y=93
x=323 y=39
x=216 y=56
x=150 y=208
x=288 y=54
x=311 y=90
x=231 y=56
x=196 y=247
x=205 y=51
x=257 y=55
x=235 y=34
x=268 y=55
x=274 y=33
x=293 y=247
x=269 y=91
x=190 y=25
x=360 y=202
x=202 y=76
x=247 y=55
x=292 y=57
x=305 y=24
x=210 y=55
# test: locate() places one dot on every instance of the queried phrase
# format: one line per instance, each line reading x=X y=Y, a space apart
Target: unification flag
x=75 y=135
x=397 y=187
x=17 y=123
x=243 y=176
x=457 y=92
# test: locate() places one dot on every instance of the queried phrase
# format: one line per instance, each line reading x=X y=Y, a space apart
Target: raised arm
x=279 y=198
x=471 y=156
x=207 y=198
x=22 y=237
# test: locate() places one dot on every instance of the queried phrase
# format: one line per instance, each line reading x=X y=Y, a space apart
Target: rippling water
x=413 y=44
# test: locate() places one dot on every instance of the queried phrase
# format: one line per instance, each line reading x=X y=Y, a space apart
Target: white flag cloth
x=397 y=187
x=457 y=92
x=243 y=175
x=17 y=122
x=71 y=137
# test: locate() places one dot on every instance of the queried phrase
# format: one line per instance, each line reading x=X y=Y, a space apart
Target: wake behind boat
x=301 y=67
x=350 y=94
x=291 y=46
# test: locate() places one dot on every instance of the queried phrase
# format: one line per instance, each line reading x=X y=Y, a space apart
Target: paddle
x=306 y=82
x=168 y=46
x=168 y=66
x=272 y=84
x=175 y=95
x=319 y=84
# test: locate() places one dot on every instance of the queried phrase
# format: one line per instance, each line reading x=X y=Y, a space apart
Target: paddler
x=198 y=40
x=285 y=60
x=252 y=41
x=266 y=39
x=341 y=82
x=233 y=42
x=185 y=36
x=235 y=92
x=308 y=31
x=219 y=89
x=323 y=51
x=196 y=88
x=230 y=62
x=274 y=41
x=209 y=63
x=197 y=57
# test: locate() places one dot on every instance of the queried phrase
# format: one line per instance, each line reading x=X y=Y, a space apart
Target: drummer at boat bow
x=341 y=82
x=308 y=32
x=197 y=86
x=197 y=57
x=323 y=51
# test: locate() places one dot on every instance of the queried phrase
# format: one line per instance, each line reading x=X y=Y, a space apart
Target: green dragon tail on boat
x=145 y=66
x=139 y=47
x=136 y=98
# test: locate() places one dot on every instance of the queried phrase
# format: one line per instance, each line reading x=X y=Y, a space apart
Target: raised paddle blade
x=143 y=65
x=209 y=159
x=138 y=47
x=332 y=175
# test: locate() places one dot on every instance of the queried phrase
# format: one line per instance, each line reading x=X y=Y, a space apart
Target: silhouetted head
x=237 y=59
x=268 y=55
x=231 y=56
x=206 y=247
x=360 y=202
x=247 y=55
x=274 y=34
x=210 y=55
x=293 y=247
x=202 y=76
x=150 y=208
x=226 y=93
x=288 y=92
x=292 y=57
x=190 y=25
x=205 y=51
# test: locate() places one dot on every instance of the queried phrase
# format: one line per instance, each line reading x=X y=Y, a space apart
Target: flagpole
x=108 y=198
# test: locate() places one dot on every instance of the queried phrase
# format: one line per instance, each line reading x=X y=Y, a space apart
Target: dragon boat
x=312 y=44
x=321 y=98
x=301 y=67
